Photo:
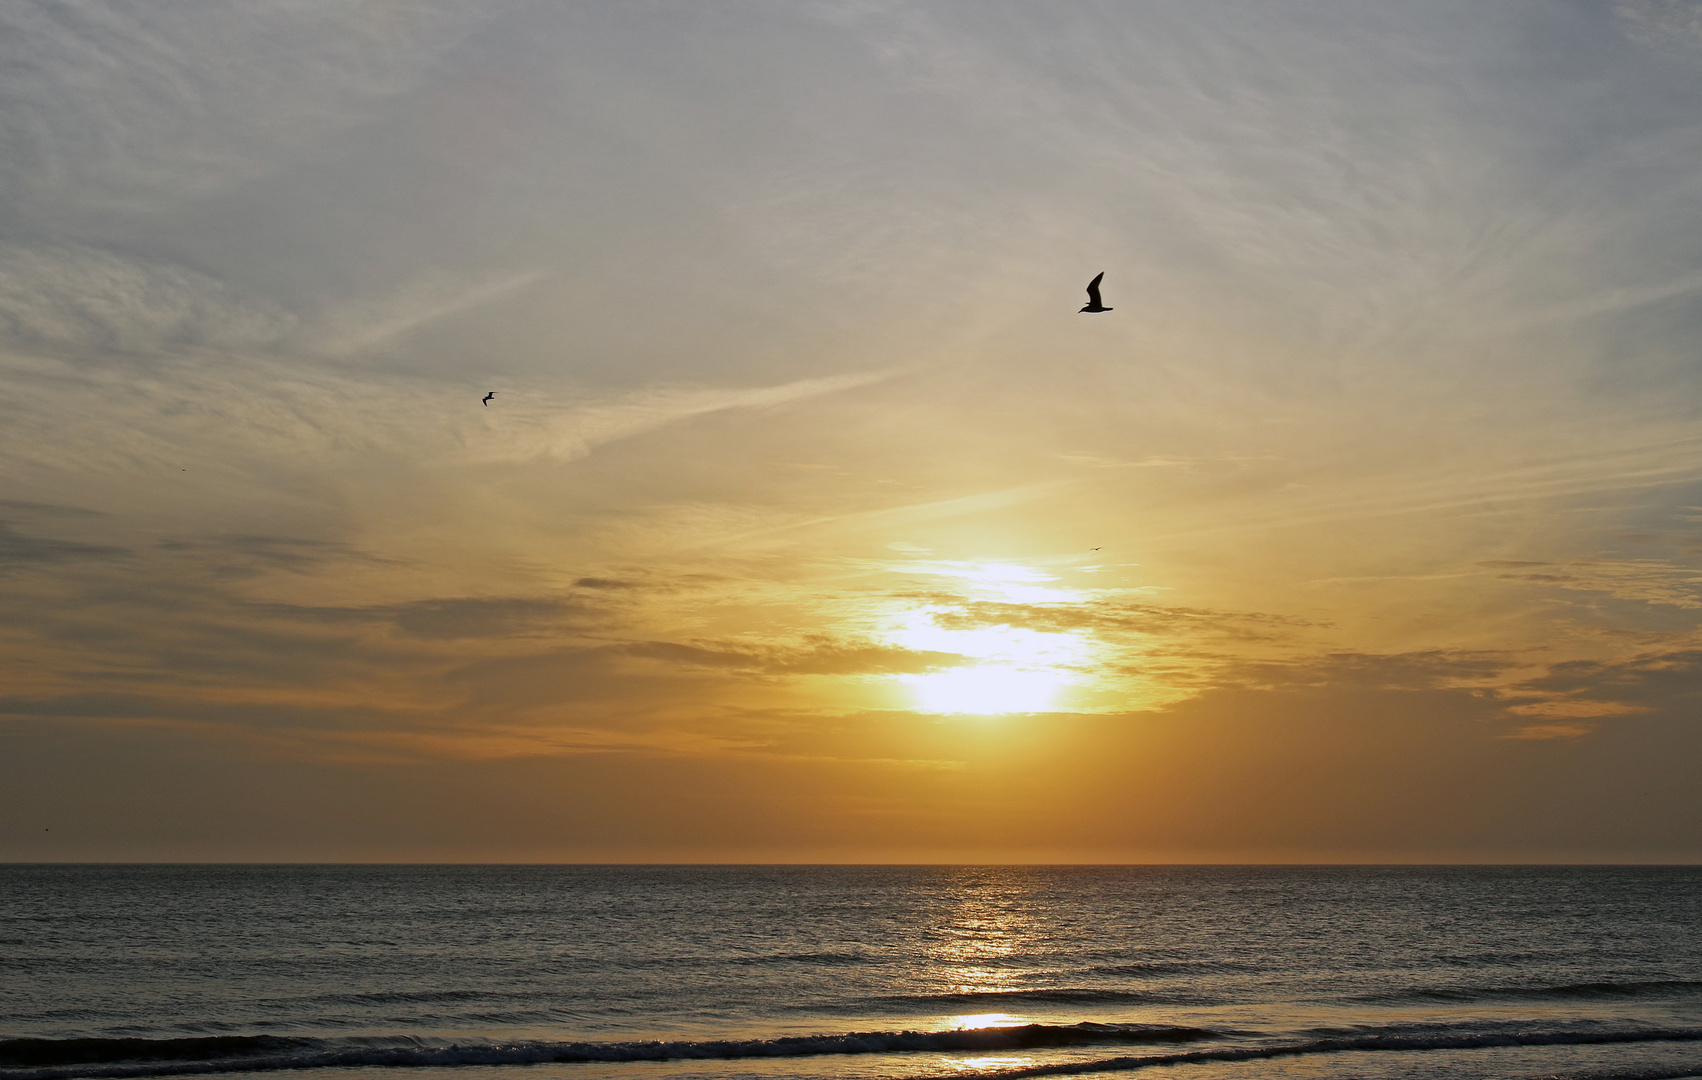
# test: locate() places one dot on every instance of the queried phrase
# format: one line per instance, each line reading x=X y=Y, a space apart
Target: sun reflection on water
x=976 y=946
x=985 y=1020
x=989 y=1064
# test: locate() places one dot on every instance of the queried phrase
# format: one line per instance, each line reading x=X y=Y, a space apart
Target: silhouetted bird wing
x=486 y=400
x=1093 y=290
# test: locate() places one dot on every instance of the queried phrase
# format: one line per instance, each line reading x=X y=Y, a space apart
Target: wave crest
x=1367 y=1042
x=1591 y=991
x=64 y=1059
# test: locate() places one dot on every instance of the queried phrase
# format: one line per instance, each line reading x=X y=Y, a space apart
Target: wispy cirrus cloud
x=264 y=410
x=87 y=303
x=1673 y=25
x=115 y=110
x=21 y=549
x=1651 y=581
x=368 y=322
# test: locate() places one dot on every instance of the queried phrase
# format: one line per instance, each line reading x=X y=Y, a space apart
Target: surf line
x=1337 y=1046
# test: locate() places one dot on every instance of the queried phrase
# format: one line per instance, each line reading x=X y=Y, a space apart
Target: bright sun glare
x=1014 y=669
x=987 y=689
x=985 y=1020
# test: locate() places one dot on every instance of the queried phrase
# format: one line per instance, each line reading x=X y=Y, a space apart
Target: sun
x=987 y=689
x=1010 y=669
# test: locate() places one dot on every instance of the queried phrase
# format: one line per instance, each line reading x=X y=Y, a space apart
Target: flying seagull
x=1093 y=304
x=486 y=400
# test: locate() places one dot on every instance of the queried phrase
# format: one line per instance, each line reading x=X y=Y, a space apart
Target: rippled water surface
x=552 y=973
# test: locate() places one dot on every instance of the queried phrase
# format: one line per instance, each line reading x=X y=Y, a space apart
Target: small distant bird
x=1093 y=304
x=486 y=400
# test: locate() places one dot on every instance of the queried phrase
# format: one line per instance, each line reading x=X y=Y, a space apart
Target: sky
x=811 y=521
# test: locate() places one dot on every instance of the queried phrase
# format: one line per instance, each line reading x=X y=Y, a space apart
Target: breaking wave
x=62 y=1059
x=1064 y=995
x=1591 y=991
x=1385 y=1042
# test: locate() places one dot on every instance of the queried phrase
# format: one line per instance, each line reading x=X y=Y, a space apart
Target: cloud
x=363 y=324
x=1119 y=617
x=19 y=550
x=115 y=110
x=1539 y=732
x=1578 y=698
x=566 y=431
x=249 y=556
x=1099 y=461
x=258 y=413
x=1651 y=679
x=1650 y=581
x=24 y=506
x=1645 y=453
x=451 y=618
x=819 y=655
x=81 y=301
x=1571 y=708
x=246 y=715
x=605 y=583
x=1672 y=25
x=1417 y=670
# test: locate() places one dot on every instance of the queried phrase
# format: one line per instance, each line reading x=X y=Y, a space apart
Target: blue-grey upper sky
x=810 y=520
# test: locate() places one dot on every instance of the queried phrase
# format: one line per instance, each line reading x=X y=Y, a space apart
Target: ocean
x=652 y=972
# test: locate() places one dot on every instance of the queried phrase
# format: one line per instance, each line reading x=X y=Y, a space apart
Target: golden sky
x=810 y=520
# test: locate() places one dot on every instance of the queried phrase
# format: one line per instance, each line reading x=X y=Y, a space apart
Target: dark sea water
x=592 y=973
